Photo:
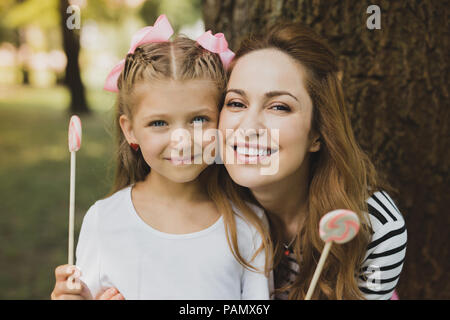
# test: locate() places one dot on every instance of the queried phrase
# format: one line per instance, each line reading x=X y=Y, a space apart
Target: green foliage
x=106 y=11
x=43 y=13
x=179 y=12
x=149 y=12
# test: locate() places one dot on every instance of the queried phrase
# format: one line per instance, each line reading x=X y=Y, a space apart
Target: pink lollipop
x=74 y=134
x=338 y=226
x=74 y=146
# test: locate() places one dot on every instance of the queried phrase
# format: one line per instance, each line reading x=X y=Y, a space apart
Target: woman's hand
x=68 y=285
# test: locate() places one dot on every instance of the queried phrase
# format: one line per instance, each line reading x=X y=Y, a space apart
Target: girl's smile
x=178 y=161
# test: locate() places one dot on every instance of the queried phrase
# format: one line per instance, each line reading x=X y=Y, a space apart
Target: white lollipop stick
x=339 y=226
x=318 y=271
x=74 y=146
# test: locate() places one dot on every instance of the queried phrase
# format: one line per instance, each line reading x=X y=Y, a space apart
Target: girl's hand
x=68 y=285
x=110 y=294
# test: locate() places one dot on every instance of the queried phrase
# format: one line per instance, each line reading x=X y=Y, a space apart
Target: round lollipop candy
x=338 y=226
x=74 y=145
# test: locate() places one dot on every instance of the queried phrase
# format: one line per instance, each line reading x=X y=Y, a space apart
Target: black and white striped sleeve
x=385 y=254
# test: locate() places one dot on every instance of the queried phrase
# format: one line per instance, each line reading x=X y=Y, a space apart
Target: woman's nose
x=251 y=124
x=251 y=120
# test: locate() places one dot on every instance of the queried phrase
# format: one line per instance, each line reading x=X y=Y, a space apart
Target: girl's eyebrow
x=198 y=111
x=269 y=94
x=201 y=110
x=156 y=115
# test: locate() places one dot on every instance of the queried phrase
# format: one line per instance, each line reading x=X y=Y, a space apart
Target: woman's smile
x=181 y=161
x=252 y=153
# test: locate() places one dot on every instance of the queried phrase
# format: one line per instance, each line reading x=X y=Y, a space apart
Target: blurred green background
x=35 y=108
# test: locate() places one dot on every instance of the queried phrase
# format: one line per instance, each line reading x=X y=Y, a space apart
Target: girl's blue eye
x=200 y=119
x=235 y=104
x=157 y=123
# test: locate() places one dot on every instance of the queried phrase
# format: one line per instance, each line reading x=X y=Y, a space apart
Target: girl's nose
x=181 y=139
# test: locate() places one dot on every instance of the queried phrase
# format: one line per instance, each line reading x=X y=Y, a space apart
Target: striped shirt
x=384 y=257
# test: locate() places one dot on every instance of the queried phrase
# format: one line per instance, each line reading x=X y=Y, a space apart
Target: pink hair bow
x=161 y=31
x=217 y=44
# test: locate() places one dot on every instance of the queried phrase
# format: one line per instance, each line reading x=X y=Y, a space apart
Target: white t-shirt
x=116 y=248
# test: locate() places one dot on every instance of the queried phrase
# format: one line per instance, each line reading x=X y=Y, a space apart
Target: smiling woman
x=287 y=82
x=280 y=103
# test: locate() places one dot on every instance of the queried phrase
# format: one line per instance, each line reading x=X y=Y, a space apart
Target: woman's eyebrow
x=238 y=91
x=272 y=94
x=269 y=94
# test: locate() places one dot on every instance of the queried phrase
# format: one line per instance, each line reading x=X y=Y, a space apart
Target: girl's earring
x=134 y=146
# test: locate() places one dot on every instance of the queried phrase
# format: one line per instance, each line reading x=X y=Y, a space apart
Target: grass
x=34 y=188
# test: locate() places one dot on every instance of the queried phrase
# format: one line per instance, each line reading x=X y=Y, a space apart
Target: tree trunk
x=71 y=44
x=19 y=40
x=396 y=83
x=18 y=37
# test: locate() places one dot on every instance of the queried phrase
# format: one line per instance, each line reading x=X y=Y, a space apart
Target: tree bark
x=71 y=44
x=396 y=82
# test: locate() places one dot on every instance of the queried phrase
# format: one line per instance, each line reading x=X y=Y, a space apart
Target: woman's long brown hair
x=341 y=174
x=180 y=59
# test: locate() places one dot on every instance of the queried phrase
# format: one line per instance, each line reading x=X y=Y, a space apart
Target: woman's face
x=266 y=117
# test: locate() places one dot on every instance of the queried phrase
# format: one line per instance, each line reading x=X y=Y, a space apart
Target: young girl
x=167 y=231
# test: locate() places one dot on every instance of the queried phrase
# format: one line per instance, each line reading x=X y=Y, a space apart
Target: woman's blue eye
x=235 y=104
x=200 y=119
x=157 y=123
x=281 y=108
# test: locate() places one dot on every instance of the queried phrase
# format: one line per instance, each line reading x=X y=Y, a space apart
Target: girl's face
x=163 y=126
x=267 y=91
